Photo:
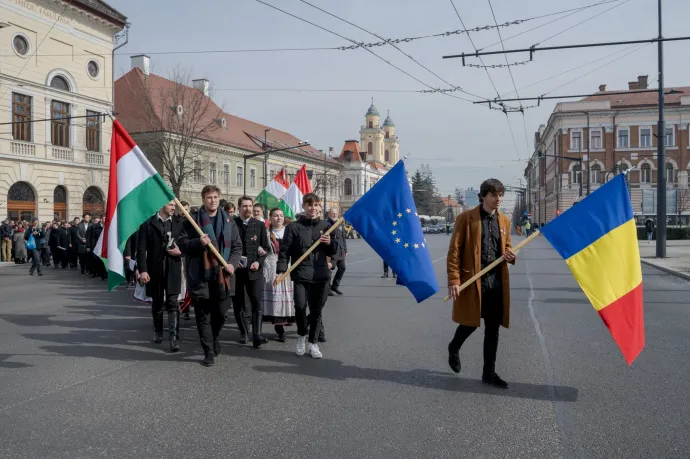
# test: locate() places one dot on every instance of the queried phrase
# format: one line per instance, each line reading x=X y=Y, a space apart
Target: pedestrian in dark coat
x=93 y=262
x=250 y=276
x=38 y=233
x=81 y=242
x=160 y=267
x=64 y=241
x=209 y=284
x=53 y=243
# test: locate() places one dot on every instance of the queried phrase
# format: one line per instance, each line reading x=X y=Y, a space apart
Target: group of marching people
x=174 y=261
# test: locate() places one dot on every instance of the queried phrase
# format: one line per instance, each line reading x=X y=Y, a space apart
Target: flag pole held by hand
x=201 y=233
x=497 y=262
x=282 y=277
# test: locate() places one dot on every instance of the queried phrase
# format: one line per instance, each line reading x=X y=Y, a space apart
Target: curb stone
x=667 y=270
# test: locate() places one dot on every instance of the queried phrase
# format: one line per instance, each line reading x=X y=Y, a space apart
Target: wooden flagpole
x=497 y=262
x=282 y=277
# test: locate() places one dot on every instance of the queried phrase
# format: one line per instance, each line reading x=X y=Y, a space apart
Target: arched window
x=93 y=202
x=60 y=202
x=388 y=134
x=595 y=171
x=386 y=156
x=347 y=191
x=371 y=124
x=575 y=175
x=370 y=148
x=670 y=176
x=645 y=173
x=60 y=83
x=21 y=202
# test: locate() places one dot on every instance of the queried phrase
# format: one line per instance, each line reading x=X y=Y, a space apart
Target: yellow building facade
x=56 y=82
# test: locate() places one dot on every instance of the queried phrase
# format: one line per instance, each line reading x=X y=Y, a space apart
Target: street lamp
x=266 y=153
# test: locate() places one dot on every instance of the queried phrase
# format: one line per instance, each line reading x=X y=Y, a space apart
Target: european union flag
x=387 y=219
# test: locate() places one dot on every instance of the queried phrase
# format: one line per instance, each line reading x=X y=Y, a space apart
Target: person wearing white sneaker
x=311 y=277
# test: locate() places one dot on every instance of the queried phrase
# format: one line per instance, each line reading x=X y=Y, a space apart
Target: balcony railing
x=22 y=148
x=63 y=154
x=94 y=158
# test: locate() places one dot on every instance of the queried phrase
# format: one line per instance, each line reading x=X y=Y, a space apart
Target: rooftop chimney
x=141 y=62
x=642 y=82
x=632 y=85
x=602 y=88
x=202 y=85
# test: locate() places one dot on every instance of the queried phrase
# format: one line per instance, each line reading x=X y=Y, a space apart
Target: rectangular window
x=226 y=175
x=576 y=140
x=59 y=126
x=240 y=176
x=670 y=141
x=196 y=176
x=645 y=174
x=596 y=175
x=623 y=140
x=645 y=137
x=596 y=139
x=212 y=173
x=93 y=131
x=21 y=116
x=252 y=178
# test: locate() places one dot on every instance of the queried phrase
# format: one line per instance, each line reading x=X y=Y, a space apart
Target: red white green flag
x=135 y=192
x=274 y=191
x=292 y=200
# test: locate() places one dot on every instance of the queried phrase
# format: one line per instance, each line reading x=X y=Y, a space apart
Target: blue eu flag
x=387 y=219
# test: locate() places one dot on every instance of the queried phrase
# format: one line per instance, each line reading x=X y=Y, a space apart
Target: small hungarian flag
x=274 y=191
x=135 y=192
x=292 y=201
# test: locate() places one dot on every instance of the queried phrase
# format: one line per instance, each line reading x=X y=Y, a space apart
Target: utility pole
x=661 y=156
x=589 y=159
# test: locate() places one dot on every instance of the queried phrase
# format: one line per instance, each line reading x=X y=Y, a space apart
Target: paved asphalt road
x=80 y=379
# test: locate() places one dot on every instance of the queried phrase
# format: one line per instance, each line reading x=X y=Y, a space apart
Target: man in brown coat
x=480 y=236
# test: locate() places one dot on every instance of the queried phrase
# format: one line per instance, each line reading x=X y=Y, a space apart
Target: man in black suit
x=82 y=245
x=250 y=276
x=160 y=268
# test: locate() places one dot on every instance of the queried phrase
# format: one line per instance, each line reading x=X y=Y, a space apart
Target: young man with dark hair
x=312 y=276
x=209 y=284
x=250 y=276
x=229 y=209
x=480 y=236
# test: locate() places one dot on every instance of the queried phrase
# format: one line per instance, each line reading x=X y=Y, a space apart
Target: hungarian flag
x=135 y=193
x=292 y=200
x=274 y=191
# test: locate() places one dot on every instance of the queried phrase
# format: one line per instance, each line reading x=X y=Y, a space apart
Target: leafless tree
x=683 y=204
x=177 y=120
x=329 y=184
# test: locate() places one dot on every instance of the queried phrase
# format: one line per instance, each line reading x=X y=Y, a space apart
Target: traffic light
x=540 y=155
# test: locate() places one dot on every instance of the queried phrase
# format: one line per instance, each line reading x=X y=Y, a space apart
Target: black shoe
x=257 y=344
x=243 y=339
x=321 y=339
x=185 y=316
x=331 y=293
x=31 y=273
x=216 y=347
x=454 y=360
x=263 y=340
x=40 y=274
x=282 y=338
x=384 y=276
x=158 y=338
x=336 y=290
x=494 y=380
x=208 y=360
x=174 y=345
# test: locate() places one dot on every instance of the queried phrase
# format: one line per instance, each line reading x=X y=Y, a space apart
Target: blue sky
x=463 y=143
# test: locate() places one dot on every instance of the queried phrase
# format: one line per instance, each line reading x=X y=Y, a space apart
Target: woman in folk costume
x=278 y=303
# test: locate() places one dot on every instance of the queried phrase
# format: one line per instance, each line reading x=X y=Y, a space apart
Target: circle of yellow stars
x=395 y=232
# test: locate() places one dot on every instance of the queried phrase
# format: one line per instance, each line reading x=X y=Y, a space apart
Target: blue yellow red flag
x=598 y=240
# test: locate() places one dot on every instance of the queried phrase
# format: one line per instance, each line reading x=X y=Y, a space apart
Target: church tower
x=371 y=135
x=391 y=152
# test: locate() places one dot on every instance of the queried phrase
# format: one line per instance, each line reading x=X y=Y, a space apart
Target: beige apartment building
x=611 y=132
x=56 y=64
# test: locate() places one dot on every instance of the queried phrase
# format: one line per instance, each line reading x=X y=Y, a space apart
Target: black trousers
x=64 y=257
x=45 y=256
x=492 y=312
x=83 y=263
x=36 y=261
x=315 y=295
x=339 y=269
x=210 y=318
x=255 y=292
x=168 y=303
x=56 y=256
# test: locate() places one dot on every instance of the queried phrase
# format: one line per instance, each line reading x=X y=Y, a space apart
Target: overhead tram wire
x=510 y=127
x=603 y=2
x=366 y=49
x=522 y=110
x=455 y=87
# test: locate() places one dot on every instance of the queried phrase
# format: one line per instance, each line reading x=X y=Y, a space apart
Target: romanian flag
x=597 y=238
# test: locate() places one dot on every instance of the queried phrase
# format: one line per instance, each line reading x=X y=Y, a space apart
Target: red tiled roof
x=639 y=99
x=377 y=165
x=353 y=147
x=131 y=99
x=449 y=202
